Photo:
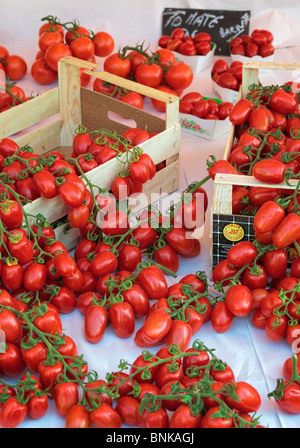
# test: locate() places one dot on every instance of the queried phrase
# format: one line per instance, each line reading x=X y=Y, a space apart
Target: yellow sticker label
x=233 y=232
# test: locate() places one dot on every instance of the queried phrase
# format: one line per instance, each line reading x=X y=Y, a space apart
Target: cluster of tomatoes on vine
x=258 y=43
x=57 y=40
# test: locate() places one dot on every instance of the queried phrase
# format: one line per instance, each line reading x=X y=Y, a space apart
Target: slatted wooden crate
x=48 y=122
x=226 y=228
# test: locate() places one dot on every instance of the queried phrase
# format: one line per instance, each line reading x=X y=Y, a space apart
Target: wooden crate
x=226 y=228
x=49 y=121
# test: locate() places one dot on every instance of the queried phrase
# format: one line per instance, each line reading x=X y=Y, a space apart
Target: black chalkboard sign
x=222 y=25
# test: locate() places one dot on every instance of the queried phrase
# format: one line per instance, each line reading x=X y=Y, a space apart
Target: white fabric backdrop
x=252 y=357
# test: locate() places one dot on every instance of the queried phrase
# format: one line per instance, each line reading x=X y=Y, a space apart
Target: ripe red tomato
x=15 y=67
x=95 y=322
x=241 y=111
x=276 y=327
x=287 y=231
x=268 y=217
x=239 y=300
x=105 y=416
x=64 y=299
x=221 y=317
x=153 y=282
x=48 y=38
x=54 y=53
x=41 y=73
x=201 y=108
x=219 y=66
x=11 y=213
x=222 y=271
x=122 y=319
x=71 y=194
x=50 y=26
x=127 y=408
x=250 y=400
x=22 y=249
x=178 y=33
x=179 y=76
x=34 y=355
x=156 y=326
x=37 y=406
x=290 y=400
x=12 y=413
x=241 y=253
x=228 y=81
x=141 y=363
x=11 y=361
x=65 y=397
x=183 y=418
x=35 y=276
x=149 y=74
x=153 y=419
x=209 y=421
x=269 y=170
x=49 y=322
x=104 y=263
x=221 y=166
x=133 y=98
x=12 y=275
x=116 y=65
x=282 y=102
x=77 y=417
x=139 y=172
x=83 y=47
x=104 y=44
x=257 y=280
x=275 y=262
x=180 y=334
x=11 y=326
x=168 y=257
x=138 y=300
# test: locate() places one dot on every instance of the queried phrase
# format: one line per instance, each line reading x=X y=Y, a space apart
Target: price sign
x=222 y=25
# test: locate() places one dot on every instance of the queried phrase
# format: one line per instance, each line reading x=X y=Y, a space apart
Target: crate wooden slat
x=29 y=113
x=48 y=122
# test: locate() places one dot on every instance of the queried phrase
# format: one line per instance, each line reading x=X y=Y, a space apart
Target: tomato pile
x=57 y=40
x=259 y=43
x=193 y=103
x=178 y=41
x=227 y=76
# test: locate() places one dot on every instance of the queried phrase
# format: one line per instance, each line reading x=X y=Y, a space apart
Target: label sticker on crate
x=227 y=231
